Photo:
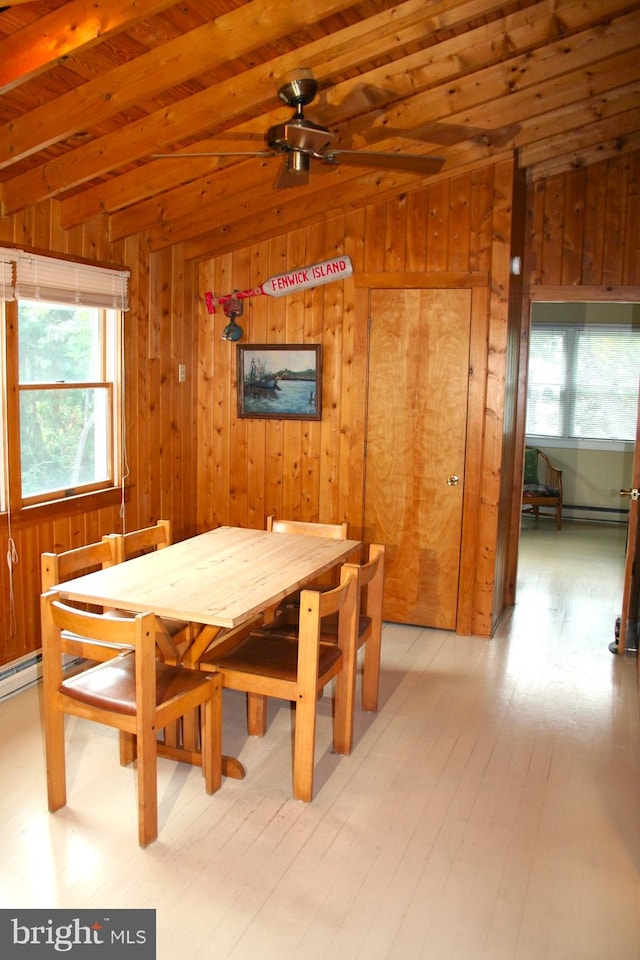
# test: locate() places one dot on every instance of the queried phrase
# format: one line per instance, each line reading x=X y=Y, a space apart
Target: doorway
x=594 y=467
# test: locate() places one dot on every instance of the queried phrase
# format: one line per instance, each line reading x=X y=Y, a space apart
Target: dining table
x=216 y=581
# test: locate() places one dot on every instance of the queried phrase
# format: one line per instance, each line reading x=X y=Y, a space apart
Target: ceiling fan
x=299 y=140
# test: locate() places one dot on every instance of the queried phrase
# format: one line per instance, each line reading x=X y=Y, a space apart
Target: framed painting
x=283 y=382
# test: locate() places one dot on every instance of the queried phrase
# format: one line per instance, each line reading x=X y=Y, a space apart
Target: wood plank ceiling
x=92 y=90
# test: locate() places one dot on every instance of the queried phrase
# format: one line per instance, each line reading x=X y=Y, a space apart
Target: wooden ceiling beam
x=609 y=133
x=351 y=46
x=236 y=33
x=69 y=29
x=109 y=152
x=582 y=95
x=225 y=208
x=527 y=76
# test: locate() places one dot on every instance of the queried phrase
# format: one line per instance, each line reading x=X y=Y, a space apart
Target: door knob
x=452 y=480
x=634 y=493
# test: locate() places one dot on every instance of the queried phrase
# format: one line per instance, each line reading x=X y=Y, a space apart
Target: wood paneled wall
x=583 y=229
x=160 y=416
x=248 y=469
x=191 y=459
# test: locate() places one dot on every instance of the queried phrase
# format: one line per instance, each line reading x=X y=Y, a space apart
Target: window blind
x=583 y=382
x=37 y=277
x=7 y=274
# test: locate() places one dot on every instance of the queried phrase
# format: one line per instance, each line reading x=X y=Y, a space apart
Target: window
x=583 y=382
x=62 y=374
x=66 y=360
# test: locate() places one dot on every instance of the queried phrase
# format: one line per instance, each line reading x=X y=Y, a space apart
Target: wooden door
x=416 y=431
x=631 y=589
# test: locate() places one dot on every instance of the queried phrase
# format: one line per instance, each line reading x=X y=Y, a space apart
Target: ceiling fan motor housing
x=302 y=135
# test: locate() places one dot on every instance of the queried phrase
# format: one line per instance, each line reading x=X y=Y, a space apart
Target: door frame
x=478 y=283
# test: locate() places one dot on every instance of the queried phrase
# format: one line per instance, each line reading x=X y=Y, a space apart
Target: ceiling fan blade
x=408 y=162
x=218 y=153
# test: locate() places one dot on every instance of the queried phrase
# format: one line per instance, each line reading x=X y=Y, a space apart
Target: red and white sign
x=301 y=279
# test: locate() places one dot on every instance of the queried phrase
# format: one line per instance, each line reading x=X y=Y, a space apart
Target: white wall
x=593 y=478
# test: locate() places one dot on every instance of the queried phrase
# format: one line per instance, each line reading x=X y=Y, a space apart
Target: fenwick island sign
x=301 y=279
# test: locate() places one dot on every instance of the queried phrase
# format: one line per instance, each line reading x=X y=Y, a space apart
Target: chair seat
x=271 y=655
x=286 y=625
x=539 y=490
x=112 y=685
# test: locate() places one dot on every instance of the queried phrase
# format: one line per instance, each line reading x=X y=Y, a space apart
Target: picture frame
x=280 y=381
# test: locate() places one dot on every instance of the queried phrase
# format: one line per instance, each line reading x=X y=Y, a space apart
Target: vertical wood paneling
x=553 y=232
x=631 y=266
x=438 y=227
x=316 y=470
x=583 y=226
x=159 y=413
x=573 y=234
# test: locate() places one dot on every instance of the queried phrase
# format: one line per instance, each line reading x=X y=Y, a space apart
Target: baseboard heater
x=19 y=674
x=23 y=672
x=618 y=511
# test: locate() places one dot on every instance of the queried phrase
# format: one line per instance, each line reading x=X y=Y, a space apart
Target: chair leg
x=56 y=761
x=128 y=751
x=344 y=709
x=147 y=786
x=211 y=736
x=371 y=674
x=256 y=715
x=304 y=748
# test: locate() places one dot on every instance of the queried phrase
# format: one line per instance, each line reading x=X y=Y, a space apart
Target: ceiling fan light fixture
x=297 y=162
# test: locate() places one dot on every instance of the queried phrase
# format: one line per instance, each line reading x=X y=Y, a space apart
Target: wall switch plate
x=182 y=372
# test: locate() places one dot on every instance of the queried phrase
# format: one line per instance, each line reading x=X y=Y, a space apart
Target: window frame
x=112 y=366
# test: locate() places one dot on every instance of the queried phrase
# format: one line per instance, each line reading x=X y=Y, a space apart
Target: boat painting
x=280 y=382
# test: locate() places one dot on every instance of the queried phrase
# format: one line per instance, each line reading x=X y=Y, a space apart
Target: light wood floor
x=489 y=811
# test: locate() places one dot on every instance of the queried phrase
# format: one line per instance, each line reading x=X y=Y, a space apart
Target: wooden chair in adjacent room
x=542 y=485
x=133 y=692
x=371 y=590
x=272 y=666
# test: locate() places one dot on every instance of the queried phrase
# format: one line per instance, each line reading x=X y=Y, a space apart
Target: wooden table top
x=222 y=577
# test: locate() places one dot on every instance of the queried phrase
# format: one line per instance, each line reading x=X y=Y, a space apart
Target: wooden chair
x=132 y=692
x=58 y=567
x=309 y=528
x=371 y=589
x=173 y=635
x=335 y=531
x=542 y=484
x=266 y=666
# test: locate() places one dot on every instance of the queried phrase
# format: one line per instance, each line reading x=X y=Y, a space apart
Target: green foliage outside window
x=64 y=416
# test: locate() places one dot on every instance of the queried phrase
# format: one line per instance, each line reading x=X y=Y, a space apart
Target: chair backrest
x=371 y=582
x=531 y=465
x=106 y=629
x=335 y=531
x=137 y=542
x=59 y=567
